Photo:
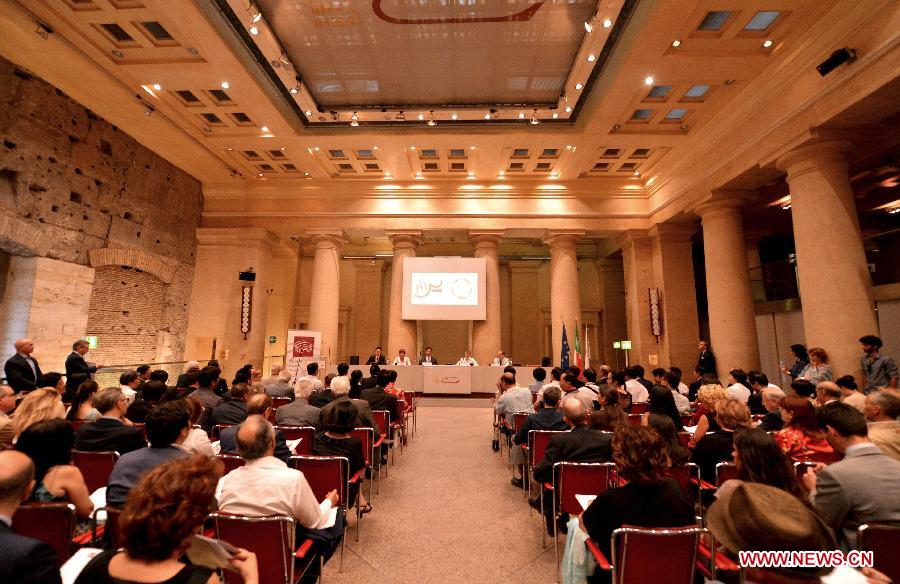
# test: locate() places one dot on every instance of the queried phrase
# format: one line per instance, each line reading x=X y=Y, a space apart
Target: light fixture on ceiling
x=305 y=174
x=354 y=120
x=387 y=174
x=648 y=80
x=588 y=26
x=554 y=176
x=431 y=121
x=471 y=174
x=636 y=173
x=676 y=43
x=534 y=118
x=578 y=86
x=254 y=30
x=768 y=43
x=255 y=14
x=374 y=147
x=420 y=117
x=555 y=115
x=282 y=148
x=157 y=87
x=295 y=89
x=786 y=205
x=487 y=116
x=729 y=81
x=607 y=23
x=230 y=149
x=453 y=116
x=501 y=173
x=591 y=58
x=418 y=175
x=521 y=115
x=400 y=116
x=308 y=113
x=148 y=112
x=225 y=85
x=568 y=109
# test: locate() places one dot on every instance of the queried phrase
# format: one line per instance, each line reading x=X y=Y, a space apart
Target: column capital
x=405 y=238
x=724 y=203
x=629 y=237
x=327 y=237
x=561 y=239
x=673 y=232
x=815 y=154
x=486 y=239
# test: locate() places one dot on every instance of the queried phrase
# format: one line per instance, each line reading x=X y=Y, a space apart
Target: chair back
x=271 y=538
x=655 y=554
x=231 y=462
x=383 y=419
x=217 y=430
x=883 y=540
x=537 y=445
x=306 y=434
x=95 y=467
x=686 y=475
x=579 y=478
x=725 y=471
x=76 y=424
x=635 y=419
x=367 y=437
x=277 y=402
x=639 y=408
x=687 y=420
x=519 y=419
x=685 y=439
x=52 y=523
x=112 y=535
x=324 y=474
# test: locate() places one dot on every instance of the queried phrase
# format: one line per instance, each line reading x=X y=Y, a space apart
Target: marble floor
x=447 y=512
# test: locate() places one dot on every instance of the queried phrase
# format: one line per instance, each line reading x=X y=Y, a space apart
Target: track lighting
x=401 y=116
x=534 y=119
x=431 y=121
x=295 y=89
x=354 y=120
x=254 y=30
x=255 y=14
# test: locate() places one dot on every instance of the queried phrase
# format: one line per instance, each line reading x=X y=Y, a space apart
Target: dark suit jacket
x=368 y=382
x=25 y=560
x=365 y=414
x=546 y=419
x=379 y=399
x=75 y=363
x=321 y=398
x=581 y=444
x=434 y=360
x=109 y=434
x=228 y=443
x=381 y=360
x=707 y=361
x=19 y=375
x=229 y=412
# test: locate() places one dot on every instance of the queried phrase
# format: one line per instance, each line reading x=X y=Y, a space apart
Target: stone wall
x=76 y=189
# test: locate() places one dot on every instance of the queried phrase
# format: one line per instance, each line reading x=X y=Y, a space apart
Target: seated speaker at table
x=467 y=359
x=429 y=358
x=401 y=358
x=501 y=360
x=377 y=358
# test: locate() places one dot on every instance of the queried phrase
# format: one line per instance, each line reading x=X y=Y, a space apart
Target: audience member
x=222 y=387
x=694 y=386
x=737 y=386
x=801 y=438
x=300 y=412
x=258 y=404
x=818 y=369
x=512 y=398
x=379 y=399
x=232 y=410
x=659 y=376
x=878 y=371
x=716 y=447
x=167 y=428
x=164 y=510
x=356 y=384
x=616 y=380
x=803 y=388
x=25 y=560
x=197 y=440
x=343 y=369
x=760 y=460
x=281 y=387
x=827 y=392
x=320 y=398
x=709 y=396
x=128 y=383
x=53 y=380
x=372 y=380
x=575 y=372
x=771 y=399
x=341 y=389
x=208 y=380
x=672 y=381
x=336 y=440
x=39 y=405
x=850 y=393
x=555 y=376
x=678 y=454
x=49 y=445
x=663 y=403
x=190 y=366
x=82 y=408
x=801 y=361
x=639 y=392
x=859 y=489
x=111 y=431
x=273 y=377
x=571 y=390
x=73 y=382
x=143 y=372
x=547 y=418
x=758 y=382
x=149 y=395
x=590 y=377
x=7 y=405
x=243 y=375
x=312 y=372
x=679 y=384
x=609 y=415
x=882 y=410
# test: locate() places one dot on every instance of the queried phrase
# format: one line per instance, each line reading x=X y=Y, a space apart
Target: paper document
x=585 y=500
x=293 y=444
x=75 y=564
x=98 y=498
x=216 y=447
x=209 y=552
x=690 y=429
x=329 y=515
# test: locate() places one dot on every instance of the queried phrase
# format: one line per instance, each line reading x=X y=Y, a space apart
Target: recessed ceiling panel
x=430 y=52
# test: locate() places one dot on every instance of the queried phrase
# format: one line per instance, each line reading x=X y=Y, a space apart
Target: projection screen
x=444 y=289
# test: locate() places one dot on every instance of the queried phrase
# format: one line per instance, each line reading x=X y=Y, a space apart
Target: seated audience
x=268 y=380
x=546 y=418
x=281 y=387
x=164 y=510
x=167 y=428
x=82 y=408
x=771 y=399
x=694 y=386
x=861 y=488
x=634 y=385
x=38 y=405
x=49 y=445
x=208 y=380
x=568 y=383
x=672 y=381
x=512 y=398
x=72 y=383
x=259 y=404
x=709 y=396
x=678 y=454
x=396 y=391
x=616 y=381
x=129 y=382
x=803 y=388
x=555 y=376
x=737 y=385
x=590 y=377
x=539 y=374
x=758 y=382
x=356 y=384
x=341 y=387
x=299 y=412
x=189 y=367
x=266 y=486
x=336 y=440
x=111 y=431
x=659 y=376
x=7 y=405
x=150 y=394
x=197 y=440
x=759 y=460
x=679 y=385
x=882 y=411
x=648 y=499
x=827 y=392
x=319 y=397
x=54 y=381
x=232 y=410
x=662 y=402
x=23 y=560
x=802 y=438
x=850 y=393
x=243 y=375
x=609 y=414
x=716 y=447
x=379 y=399
x=343 y=369
x=312 y=372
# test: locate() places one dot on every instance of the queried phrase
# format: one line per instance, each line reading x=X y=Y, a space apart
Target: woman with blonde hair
x=718 y=447
x=37 y=406
x=709 y=397
x=818 y=369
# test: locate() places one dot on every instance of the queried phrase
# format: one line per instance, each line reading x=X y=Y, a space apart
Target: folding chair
x=645 y=554
x=688 y=478
x=577 y=478
x=638 y=408
x=217 y=430
x=277 y=402
x=105 y=531
x=537 y=445
x=271 y=538
x=383 y=418
x=883 y=540
x=635 y=419
x=231 y=462
x=52 y=523
x=365 y=436
x=95 y=467
x=329 y=473
x=306 y=434
x=725 y=471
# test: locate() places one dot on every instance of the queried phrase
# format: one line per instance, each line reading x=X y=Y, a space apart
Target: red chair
x=306 y=435
x=365 y=436
x=108 y=529
x=725 y=471
x=688 y=478
x=639 y=408
x=95 y=467
x=685 y=439
x=76 y=424
x=577 y=478
x=231 y=462
x=52 y=523
x=325 y=474
x=537 y=445
x=652 y=554
x=217 y=430
x=883 y=540
x=383 y=419
x=635 y=419
x=271 y=538
x=277 y=402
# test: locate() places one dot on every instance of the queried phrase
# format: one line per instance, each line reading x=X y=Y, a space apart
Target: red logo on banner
x=303 y=346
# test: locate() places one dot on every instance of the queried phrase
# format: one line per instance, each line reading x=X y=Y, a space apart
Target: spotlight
x=676 y=43
x=265 y=129
x=305 y=174
x=431 y=121
x=591 y=58
x=295 y=89
x=471 y=174
x=534 y=119
x=225 y=85
x=400 y=116
x=420 y=117
x=308 y=113
x=568 y=109
x=255 y=14
x=354 y=120
x=837 y=58
x=578 y=86
x=254 y=30
x=487 y=116
x=768 y=43
x=148 y=112
x=521 y=115
x=157 y=87
x=418 y=175
x=607 y=23
x=453 y=116
x=588 y=27
x=387 y=174
x=555 y=115
x=501 y=173
x=648 y=80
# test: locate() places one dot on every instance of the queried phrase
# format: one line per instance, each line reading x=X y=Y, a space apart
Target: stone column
x=612 y=299
x=732 y=322
x=367 y=315
x=565 y=296
x=673 y=268
x=835 y=285
x=486 y=333
x=637 y=259
x=401 y=333
x=757 y=284
x=324 y=300
x=526 y=326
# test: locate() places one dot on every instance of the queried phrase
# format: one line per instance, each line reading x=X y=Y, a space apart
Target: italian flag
x=578 y=362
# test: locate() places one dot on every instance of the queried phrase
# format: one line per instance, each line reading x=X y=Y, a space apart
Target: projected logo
x=445 y=289
x=303 y=346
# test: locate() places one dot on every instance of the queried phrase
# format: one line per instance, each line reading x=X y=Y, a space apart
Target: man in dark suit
x=22 y=370
x=208 y=379
x=23 y=560
x=429 y=358
x=580 y=444
x=234 y=409
x=706 y=360
x=75 y=362
x=259 y=404
x=372 y=380
x=547 y=418
x=378 y=398
x=377 y=358
x=110 y=432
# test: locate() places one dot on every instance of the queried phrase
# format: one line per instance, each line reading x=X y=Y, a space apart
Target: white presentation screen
x=444 y=288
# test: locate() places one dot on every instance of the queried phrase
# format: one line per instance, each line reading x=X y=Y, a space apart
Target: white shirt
x=639 y=393
x=683 y=389
x=317 y=383
x=739 y=392
x=540 y=393
x=498 y=363
x=404 y=361
x=198 y=443
x=266 y=486
x=467 y=361
x=681 y=402
x=128 y=393
x=584 y=395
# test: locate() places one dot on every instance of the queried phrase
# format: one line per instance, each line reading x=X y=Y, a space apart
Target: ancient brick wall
x=72 y=183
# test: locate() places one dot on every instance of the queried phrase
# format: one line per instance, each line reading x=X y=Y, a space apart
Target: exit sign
x=92 y=342
x=626 y=345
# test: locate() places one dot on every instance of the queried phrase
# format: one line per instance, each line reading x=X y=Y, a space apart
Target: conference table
x=449 y=379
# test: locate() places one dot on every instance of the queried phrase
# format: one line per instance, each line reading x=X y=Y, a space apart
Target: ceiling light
x=768 y=43
x=254 y=30
x=534 y=119
x=255 y=14
x=418 y=175
x=521 y=115
x=554 y=176
x=453 y=116
x=568 y=109
x=591 y=58
x=894 y=211
x=648 y=80
x=676 y=43
x=588 y=27
x=501 y=173
x=282 y=148
x=230 y=149
x=259 y=174
x=305 y=174
x=431 y=122
x=420 y=117
x=636 y=173
x=374 y=147
x=471 y=174
x=400 y=116
x=308 y=113
x=265 y=128
x=555 y=115
x=225 y=85
x=412 y=147
x=157 y=87
x=578 y=86
x=387 y=174
x=471 y=148
x=487 y=116
x=316 y=148
x=295 y=89
x=607 y=23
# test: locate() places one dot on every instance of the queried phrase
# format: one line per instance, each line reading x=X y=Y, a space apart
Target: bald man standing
x=23 y=560
x=22 y=370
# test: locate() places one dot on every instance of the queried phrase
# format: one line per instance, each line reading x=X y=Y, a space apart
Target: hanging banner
x=302 y=347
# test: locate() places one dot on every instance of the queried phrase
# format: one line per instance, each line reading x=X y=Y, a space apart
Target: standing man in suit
x=429 y=358
x=706 y=360
x=859 y=489
x=377 y=358
x=23 y=560
x=22 y=370
x=75 y=362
